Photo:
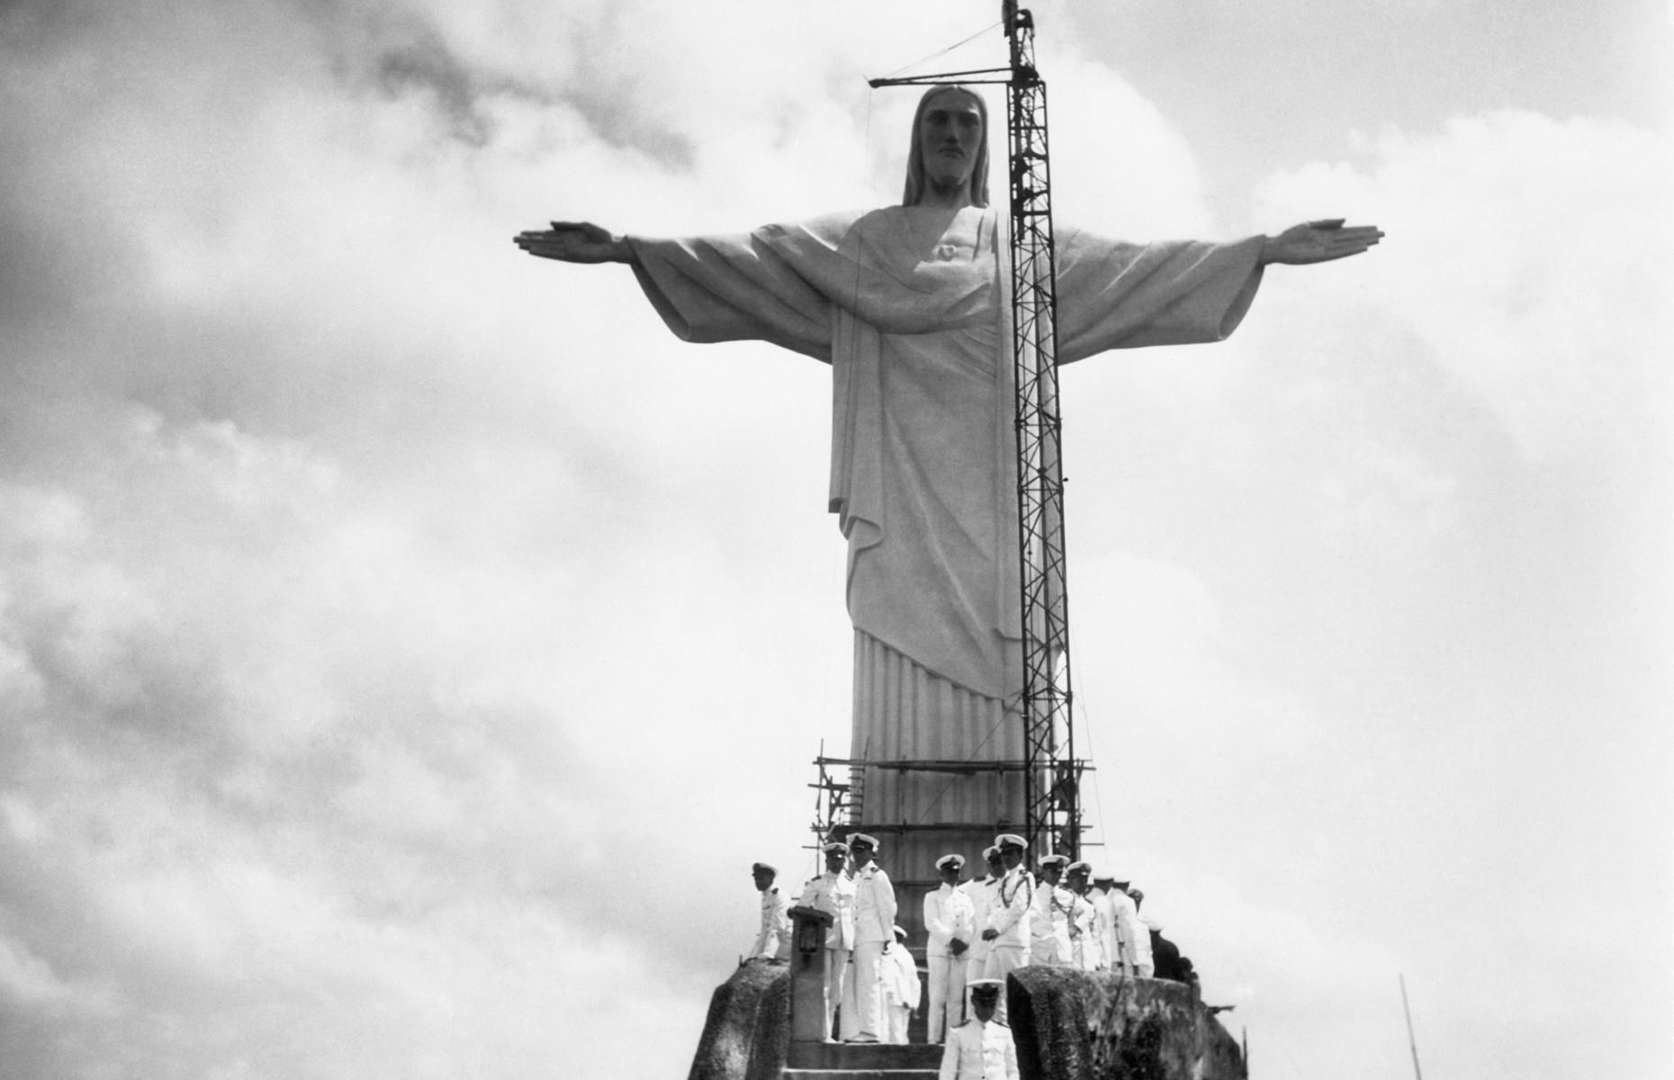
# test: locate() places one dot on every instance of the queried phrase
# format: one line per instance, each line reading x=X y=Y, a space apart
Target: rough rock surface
x=1076 y=1025
x=747 y=1033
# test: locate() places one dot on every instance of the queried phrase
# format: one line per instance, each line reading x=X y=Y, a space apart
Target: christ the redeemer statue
x=910 y=306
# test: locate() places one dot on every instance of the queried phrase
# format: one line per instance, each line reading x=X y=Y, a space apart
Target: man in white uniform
x=981 y=1048
x=1143 y=962
x=1007 y=929
x=874 y=933
x=901 y=989
x=1049 y=940
x=982 y=893
x=1104 y=924
x=1084 y=940
x=833 y=893
x=950 y=923
x=773 y=940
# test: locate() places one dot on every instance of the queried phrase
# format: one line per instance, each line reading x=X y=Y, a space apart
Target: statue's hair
x=915 y=154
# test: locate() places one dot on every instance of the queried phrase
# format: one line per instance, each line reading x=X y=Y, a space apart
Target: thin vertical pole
x=1417 y=1073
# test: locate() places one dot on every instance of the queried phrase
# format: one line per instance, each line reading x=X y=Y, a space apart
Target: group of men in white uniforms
x=982 y=929
x=1057 y=918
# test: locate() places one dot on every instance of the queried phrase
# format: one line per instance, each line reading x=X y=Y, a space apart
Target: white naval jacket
x=874 y=906
x=1131 y=936
x=774 y=938
x=833 y=893
x=948 y=914
x=979 y=1051
x=982 y=893
x=1049 y=925
x=1009 y=913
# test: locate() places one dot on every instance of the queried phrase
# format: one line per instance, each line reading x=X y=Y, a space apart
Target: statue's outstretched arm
x=1319 y=241
x=577 y=242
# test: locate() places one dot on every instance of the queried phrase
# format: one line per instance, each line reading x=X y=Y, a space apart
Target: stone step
x=863 y=1057
x=860 y=1074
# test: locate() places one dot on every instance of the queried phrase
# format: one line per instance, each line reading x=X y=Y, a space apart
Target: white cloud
x=1530 y=255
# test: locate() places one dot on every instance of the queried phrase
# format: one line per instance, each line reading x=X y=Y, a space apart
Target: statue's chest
x=961 y=241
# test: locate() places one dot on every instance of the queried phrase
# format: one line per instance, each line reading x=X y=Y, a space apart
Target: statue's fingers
x=1327 y=223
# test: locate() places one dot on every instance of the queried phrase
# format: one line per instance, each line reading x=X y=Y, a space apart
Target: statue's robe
x=923 y=468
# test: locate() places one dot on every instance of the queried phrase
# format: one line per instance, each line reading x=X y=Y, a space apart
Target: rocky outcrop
x=1076 y=1025
x=747 y=1033
x=1068 y=1025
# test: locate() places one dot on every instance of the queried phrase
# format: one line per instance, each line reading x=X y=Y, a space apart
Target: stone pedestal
x=809 y=958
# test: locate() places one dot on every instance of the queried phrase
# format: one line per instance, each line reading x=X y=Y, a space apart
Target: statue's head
x=950 y=145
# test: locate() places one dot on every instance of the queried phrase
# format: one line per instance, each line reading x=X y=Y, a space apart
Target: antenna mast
x=1051 y=771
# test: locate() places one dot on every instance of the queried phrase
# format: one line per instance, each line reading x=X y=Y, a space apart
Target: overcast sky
x=407 y=645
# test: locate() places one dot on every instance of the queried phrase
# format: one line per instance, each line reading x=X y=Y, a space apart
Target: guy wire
x=944 y=52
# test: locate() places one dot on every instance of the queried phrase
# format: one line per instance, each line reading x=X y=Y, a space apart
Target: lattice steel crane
x=1051 y=769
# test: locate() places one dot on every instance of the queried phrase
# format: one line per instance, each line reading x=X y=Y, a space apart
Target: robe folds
x=923 y=470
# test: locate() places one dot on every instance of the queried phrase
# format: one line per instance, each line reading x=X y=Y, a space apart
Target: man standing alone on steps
x=981 y=1048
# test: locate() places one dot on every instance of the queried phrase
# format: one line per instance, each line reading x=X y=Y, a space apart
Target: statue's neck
x=949 y=197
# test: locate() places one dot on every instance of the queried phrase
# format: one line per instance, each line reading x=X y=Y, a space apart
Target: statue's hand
x=1318 y=241
x=575 y=241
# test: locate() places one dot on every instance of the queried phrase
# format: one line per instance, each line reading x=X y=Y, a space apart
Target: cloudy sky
x=406 y=645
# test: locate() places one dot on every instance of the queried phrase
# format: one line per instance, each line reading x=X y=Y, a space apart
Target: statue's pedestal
x=809 y=957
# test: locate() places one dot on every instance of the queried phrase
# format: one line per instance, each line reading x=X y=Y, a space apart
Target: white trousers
x=836 y=965
x=898 y=1019
x=868 y=986
x=947 y=994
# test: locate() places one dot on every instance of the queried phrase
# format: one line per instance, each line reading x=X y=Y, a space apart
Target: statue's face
x=948 y=139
